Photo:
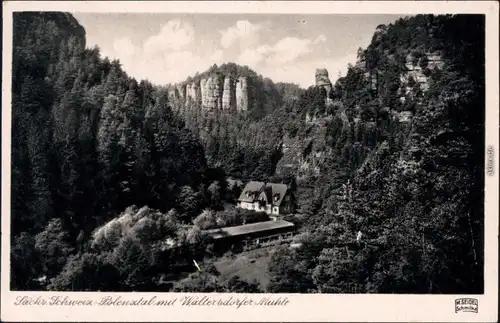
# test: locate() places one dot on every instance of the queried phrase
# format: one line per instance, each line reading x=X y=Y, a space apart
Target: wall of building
x=271 y=210
x=258 y=207
x=246 y=205
x=267 y=240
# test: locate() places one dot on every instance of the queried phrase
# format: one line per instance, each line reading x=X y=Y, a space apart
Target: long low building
x=254 y=234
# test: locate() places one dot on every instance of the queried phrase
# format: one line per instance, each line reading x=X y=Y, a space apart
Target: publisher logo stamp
x=469 y=305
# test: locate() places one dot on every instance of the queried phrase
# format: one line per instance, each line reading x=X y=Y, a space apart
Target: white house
x=272 y=198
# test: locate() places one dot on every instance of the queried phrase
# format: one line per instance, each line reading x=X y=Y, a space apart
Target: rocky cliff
x=192 y=93
x=214 y=92
x=181 y=91
x=395 y=85
x=230 y=88
x=418 y=69
x=303 y=156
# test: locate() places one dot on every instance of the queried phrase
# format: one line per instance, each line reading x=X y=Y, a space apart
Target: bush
x=248 y=216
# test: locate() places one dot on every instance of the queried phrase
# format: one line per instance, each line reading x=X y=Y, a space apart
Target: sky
x=167 y=48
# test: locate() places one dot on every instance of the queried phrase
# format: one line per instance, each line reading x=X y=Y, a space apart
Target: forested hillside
x=89 y=141
x=113 y=179
x=406 y=169
x=246 y=144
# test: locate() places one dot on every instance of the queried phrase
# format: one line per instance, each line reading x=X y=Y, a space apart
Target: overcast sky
x=167 y=48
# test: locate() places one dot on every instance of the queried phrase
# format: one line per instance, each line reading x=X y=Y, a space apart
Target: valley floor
x=250 y=266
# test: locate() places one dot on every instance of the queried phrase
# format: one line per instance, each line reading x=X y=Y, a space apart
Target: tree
x=236 y=285
x=132 y=107
x=133 y=263
x=40 y=200
x=146 y=230
x=86 y=272
x=281 y=272
x=108 y=150
x=198 y=282
x=188 y=201
x=206 y=220
x=215 y=191
x=25 y=262
x=53 y=247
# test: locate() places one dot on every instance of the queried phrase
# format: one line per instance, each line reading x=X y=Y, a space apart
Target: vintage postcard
x=250 y=161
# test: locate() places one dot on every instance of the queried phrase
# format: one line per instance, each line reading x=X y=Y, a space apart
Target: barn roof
x=251 y=191
x=277 y=189
x=248 y=229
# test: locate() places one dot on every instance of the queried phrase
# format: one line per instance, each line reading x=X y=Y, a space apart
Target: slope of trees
x=88 y=141
x=414 y=190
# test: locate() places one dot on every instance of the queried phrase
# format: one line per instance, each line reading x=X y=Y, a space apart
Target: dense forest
x=113 y=183
x=414 y=189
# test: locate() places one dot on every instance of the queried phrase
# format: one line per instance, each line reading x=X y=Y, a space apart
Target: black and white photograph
x=325 y=153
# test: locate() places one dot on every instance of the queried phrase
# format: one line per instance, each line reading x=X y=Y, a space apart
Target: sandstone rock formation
x=415 y=70
x=203 y=93
x=323 y=80
x=211 y=92
x=171 y=93
x=192 y=93
x=180 y=92
x=229 y=94
x=242 y=94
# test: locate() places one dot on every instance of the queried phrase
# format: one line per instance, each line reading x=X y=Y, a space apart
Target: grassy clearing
x=251 y=266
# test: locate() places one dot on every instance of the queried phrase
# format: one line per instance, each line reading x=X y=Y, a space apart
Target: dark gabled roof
x=268 y=192
x=251 y=191
x=248 y=229
x=277 y=190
